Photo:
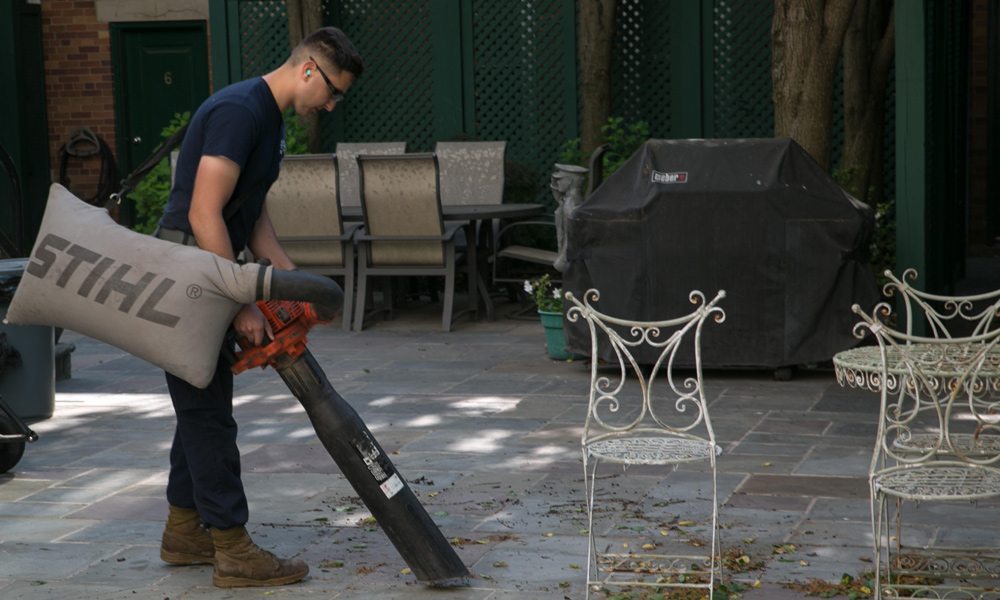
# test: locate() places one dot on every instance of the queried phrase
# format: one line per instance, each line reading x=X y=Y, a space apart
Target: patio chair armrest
x=317 y=238
x=363 y=237
x=451 y=228
x=350 y=230
x=517 y=224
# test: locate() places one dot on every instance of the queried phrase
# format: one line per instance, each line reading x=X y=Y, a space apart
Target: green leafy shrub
x=296 y=134
x=622 y=138
x=882 y=249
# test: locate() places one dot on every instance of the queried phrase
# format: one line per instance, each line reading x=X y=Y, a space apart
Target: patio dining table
x=473 y=213
x=941 y=361
x=941 y=365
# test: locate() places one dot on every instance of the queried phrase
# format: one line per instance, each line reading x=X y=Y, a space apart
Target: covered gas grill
x=755 y=217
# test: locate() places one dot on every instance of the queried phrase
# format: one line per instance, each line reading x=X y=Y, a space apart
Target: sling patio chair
x=404 y=232
x=304 y=208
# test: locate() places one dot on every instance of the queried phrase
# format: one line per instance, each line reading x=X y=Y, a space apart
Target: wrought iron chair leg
x=590 y=485
x=875 y=525
x=715 y=561
x=881 y=571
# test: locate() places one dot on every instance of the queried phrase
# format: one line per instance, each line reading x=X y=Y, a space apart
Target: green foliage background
x=882 y=250
x=623 y=140
x=150 y=195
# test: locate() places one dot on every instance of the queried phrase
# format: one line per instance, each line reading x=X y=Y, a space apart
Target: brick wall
x=978 y=130
x=78 y=85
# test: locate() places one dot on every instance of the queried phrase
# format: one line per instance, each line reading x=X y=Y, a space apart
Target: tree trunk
x=305 y=17
x=596 y=26
x=868 y=51
x=806 y=38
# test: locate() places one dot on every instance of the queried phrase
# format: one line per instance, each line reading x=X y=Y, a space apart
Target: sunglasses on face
x=335 y=94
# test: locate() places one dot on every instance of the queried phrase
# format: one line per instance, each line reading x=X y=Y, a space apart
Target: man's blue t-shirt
x=242 y=123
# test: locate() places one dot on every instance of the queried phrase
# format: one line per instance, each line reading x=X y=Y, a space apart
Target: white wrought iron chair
x=652 y=415
x=938 y=441
x=305 y=211
x=404 y=232
x=943 y=316
x=347 y=159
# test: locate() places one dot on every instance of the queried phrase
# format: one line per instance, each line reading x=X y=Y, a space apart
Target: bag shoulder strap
x=128 y=184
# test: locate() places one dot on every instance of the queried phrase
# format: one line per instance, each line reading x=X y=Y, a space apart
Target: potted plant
x=549 y=302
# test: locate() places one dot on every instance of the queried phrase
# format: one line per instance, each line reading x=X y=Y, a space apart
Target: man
x=231 y=153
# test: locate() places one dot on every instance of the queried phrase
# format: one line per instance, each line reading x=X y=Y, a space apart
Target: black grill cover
x=755 y=217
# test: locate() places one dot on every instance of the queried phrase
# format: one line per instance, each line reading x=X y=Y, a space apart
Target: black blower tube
x=322 y=292
x=373 y=476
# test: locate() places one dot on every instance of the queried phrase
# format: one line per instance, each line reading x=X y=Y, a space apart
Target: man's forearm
x=264 y=244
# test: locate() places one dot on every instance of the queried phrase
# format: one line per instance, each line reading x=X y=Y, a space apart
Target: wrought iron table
x=861 y=367
x=473 y=213
x=943 y=364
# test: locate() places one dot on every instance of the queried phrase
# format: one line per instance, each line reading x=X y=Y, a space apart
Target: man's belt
x=175 y=235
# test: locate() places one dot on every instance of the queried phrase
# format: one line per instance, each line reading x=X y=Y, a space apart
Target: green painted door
x=160 y=69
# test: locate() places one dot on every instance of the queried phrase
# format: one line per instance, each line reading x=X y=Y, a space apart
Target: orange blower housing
x=290 y=321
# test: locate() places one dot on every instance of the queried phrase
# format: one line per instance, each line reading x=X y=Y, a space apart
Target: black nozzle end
x=323 y=293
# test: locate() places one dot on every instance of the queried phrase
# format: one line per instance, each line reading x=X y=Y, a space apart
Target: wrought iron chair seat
x=651 y=450
x=940 y=481
x=966 y=444
x=953 y=563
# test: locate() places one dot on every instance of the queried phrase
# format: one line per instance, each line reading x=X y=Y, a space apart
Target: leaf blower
x=351 y=445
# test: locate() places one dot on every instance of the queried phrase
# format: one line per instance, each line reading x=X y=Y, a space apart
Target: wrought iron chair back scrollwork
x=938 y=441
x=942 y=316
x=649 y=415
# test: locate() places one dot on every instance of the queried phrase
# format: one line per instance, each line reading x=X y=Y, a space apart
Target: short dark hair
x=334 y=45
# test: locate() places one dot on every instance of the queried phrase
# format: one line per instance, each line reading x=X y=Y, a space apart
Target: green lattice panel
x=263 y=36
x=640 y=65
x=392 y=101
x=889 y=137
x=742 y=59
x=519 y=80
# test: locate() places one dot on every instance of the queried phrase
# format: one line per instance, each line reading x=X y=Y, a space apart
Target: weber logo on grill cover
x=671 y=177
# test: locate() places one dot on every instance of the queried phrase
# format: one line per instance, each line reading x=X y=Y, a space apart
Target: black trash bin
x=28 y=386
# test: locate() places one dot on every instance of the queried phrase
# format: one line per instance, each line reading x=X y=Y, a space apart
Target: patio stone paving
x=486 y=430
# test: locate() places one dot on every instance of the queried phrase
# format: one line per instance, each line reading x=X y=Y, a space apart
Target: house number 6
x=168 y=78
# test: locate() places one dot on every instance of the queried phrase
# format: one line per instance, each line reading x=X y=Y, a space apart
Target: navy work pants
x=204 y=458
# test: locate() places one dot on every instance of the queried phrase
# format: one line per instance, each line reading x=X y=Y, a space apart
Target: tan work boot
x=185 y=540
x=239 y=562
